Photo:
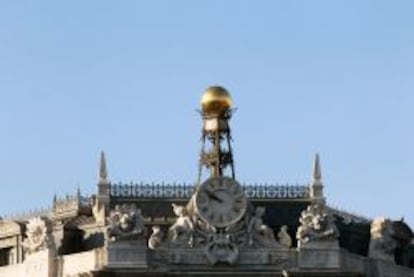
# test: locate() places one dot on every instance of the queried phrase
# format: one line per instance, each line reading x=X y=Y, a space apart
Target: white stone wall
x=14 y=270
x=36 y=265
x=84 y=262
x=45 y=264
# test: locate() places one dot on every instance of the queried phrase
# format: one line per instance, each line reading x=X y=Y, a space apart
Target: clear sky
x=337 y=77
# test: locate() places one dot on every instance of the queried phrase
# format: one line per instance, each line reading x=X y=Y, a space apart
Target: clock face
x=220 y=201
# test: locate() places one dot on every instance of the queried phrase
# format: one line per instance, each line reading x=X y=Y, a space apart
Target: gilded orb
x=216 y=100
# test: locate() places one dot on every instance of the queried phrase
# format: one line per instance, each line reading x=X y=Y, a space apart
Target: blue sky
x=78 y=77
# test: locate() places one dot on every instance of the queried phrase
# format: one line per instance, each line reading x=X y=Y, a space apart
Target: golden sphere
x=216 y=100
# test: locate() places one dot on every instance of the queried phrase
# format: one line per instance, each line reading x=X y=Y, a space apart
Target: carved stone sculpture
x=126 y=223
x=316 y=225
x=181 y=232
x=260 y=235
x=382 y=244
x=221 y=248
x=218 y=225
x=156 y=238
x=37 y=236
x=284 y=238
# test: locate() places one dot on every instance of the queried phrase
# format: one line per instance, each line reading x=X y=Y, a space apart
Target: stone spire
x=317 y=174
x=78 y=192
x=316 y=186
x=103 y=174
x=101 y=207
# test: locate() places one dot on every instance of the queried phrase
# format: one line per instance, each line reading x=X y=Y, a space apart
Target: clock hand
x=212 y=196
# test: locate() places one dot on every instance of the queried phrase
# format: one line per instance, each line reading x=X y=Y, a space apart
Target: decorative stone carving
x=284 y=238
x=182 y=230
x=193 y=240
x=382 y=244
x=260 y=235
x=156 y=238
x=221 y=248
x=126 y=223
x=37 y=235
x=316 y=225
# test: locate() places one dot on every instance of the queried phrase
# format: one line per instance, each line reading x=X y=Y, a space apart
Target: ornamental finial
x=317 y=172
x=316 y=187
x=216 y=111
x=78 y=192
x=216 y=100
x=103 y=174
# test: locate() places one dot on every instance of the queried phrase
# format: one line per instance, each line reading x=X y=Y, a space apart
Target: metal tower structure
x=216 y=153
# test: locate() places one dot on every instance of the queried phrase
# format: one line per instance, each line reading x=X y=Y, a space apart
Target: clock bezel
x=221 y=180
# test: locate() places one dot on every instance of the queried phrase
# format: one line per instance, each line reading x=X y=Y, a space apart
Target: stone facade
x=136 y=246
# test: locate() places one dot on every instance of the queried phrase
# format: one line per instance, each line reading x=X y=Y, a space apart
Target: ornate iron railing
x=184 y=191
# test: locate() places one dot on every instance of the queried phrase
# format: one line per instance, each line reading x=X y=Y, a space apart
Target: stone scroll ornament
x=221 y=248
x=316 y=225
x=37 y=236
x=125 y=223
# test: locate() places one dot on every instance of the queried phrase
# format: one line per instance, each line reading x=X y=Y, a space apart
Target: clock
x=220 y=201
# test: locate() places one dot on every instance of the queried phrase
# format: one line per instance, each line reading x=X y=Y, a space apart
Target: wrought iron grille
x=184 y=191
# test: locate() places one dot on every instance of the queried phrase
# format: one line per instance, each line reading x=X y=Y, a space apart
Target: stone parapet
x=319 y=256
x=388 y=269
x=82 y=263
x=127 y=254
